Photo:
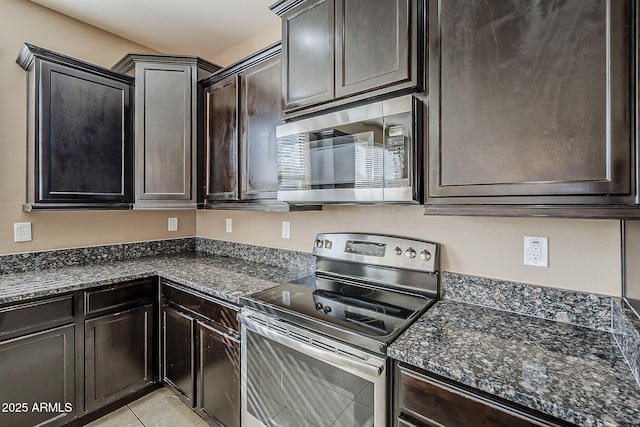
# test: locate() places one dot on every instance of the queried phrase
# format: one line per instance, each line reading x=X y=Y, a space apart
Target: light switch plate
x=173 y=224
x=286 y=230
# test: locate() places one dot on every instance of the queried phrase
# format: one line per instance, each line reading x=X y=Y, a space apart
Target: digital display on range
x=365 y=248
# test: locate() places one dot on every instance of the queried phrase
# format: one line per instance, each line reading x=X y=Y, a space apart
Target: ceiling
x=195 y=27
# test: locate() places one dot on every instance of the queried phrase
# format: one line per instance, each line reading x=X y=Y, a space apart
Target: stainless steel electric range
x=314 y=350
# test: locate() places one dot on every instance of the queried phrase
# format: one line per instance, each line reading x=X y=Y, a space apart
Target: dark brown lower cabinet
x=69 y=358
x=177 y=353
x=38 y=378
x=218 y=380
x=201 y=353
x=423 y=399
x=119 y=355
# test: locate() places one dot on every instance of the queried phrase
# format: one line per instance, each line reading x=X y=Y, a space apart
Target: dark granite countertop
x=222 y=277
x=571 y=372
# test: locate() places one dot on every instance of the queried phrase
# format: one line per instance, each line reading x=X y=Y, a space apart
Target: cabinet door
x=178 y=367
x=423 y=400
x=529 y=102
x=307 y=54
x=218 y=376
x=373 y=44
x=164 y=137
x=38 y=368
x=118 y=355
x=84 y=138
x=222 y=139
x=261 y=105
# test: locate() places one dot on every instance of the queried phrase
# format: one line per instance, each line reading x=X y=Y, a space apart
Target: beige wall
x=246 y=47
x=22 y=21
x=583 y=254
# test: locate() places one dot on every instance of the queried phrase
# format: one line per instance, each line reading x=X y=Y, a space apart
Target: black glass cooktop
x=357 y=308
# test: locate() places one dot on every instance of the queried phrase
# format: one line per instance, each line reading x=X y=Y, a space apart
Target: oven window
x=288 y=388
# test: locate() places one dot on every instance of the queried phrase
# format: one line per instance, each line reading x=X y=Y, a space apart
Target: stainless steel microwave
x=366 y=154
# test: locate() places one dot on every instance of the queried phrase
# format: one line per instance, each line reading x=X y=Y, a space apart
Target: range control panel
x=378 y=249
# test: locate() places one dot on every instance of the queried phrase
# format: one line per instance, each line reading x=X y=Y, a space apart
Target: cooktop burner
x=366 y=290
x=363 y=309
x=358 y=314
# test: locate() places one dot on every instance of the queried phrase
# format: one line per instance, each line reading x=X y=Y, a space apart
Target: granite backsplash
x=44 y=260
x=578 y=308
x=626 y=330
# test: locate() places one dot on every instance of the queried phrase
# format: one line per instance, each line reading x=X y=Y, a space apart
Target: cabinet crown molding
x=29 y=52
x=241 y=65
x=128 y=61
x=283 y=6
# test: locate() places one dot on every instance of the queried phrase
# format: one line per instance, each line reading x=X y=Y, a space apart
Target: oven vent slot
x=258 y=320
x=299 y=337
x=278 y=328
x=351 y=355
x=324 y=346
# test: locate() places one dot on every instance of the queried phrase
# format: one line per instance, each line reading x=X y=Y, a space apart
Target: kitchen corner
x=321 y=213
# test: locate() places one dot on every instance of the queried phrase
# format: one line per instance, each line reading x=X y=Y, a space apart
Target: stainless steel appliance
x=314 y=351
x=366 y=154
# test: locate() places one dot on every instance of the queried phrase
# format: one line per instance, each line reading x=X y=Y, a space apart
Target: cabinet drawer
x=23 y=317
x=200 y=306
x=435 y=402
x=136 y=293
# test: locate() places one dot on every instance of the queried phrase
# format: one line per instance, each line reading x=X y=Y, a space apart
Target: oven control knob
x=319 y=243
x=410 y=253
x=397 y=251
x=327 y=244
x=327 y=309
x=425 y=255
x=318 y=306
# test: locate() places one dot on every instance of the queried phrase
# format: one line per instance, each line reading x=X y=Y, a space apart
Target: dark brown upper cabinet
x=530 y=108
x=373 y=44
x=339 y=51
x=308 y=38
x=80 y=138
x=167 y=133
x=260 y=112
x=243 y=106
x=221 y=136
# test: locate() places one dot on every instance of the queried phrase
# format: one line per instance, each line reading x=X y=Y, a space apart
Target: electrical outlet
x=286 y=230
x=228 y=225
x=22 y=232
x=536 y=251
x=173 y=224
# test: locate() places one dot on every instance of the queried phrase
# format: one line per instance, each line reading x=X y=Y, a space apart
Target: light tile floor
x=160 y=408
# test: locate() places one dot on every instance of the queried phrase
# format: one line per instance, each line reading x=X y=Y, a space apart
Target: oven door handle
x=316 y=346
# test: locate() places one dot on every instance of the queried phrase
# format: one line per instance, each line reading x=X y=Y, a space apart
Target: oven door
x=293 y=377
